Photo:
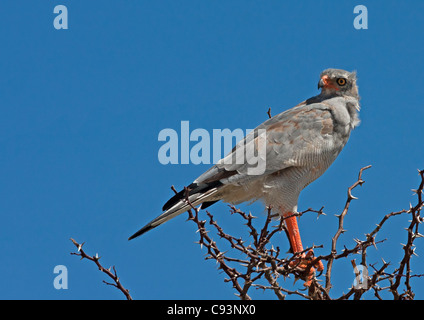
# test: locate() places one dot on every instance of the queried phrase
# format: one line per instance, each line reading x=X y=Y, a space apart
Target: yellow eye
x=341 y=81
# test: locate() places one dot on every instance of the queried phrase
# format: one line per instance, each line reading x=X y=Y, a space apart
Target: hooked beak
x=326 y=83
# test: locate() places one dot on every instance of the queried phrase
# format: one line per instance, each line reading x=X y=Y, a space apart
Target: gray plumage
x=298 y=147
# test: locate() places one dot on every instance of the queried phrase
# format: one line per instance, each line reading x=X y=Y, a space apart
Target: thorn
x=269 y=112
x=357 y=241
x=80 y=246
x=374 y=244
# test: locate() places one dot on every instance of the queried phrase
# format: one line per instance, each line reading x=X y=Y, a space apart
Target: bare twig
x=340 y=230
x=269 y=113
x=114 y=276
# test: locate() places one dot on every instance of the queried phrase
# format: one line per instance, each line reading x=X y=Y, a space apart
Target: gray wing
x=290 y=139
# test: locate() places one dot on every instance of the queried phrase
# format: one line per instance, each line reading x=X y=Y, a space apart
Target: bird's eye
x=341 y=81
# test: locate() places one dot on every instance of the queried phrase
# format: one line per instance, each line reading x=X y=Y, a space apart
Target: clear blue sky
x=81 y=109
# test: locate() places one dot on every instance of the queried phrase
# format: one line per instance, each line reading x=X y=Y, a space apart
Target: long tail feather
x=178 y=208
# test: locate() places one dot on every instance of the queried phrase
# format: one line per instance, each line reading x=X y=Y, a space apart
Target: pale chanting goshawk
x=300 y=144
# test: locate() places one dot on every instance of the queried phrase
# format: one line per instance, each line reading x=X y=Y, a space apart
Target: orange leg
x=296 y=244
x=294 y=234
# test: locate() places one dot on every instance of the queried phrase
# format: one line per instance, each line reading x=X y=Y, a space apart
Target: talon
x=303 y=263
x=319 y=265
x=309 y=277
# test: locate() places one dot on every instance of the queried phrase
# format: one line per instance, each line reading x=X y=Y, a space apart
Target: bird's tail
x=177 y=205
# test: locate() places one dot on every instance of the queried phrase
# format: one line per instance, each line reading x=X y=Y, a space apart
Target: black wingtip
x=179 y=196
x=141 y=231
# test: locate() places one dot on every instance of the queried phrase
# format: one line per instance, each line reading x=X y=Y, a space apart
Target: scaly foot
x=303 y=264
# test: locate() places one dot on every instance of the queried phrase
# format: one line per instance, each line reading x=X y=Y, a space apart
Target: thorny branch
x=340 y=230
x=114 y=276
x=258 y=264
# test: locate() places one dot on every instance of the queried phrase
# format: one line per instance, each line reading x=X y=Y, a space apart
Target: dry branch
x=262 y=265
x=114 y=276
x=256 y=263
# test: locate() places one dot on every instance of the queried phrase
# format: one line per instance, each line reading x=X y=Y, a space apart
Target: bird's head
x=338 y=82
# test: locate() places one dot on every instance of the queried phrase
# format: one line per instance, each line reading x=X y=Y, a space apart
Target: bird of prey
x=298 y=146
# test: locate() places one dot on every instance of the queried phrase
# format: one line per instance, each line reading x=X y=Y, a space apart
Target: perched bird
x=296 y=147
